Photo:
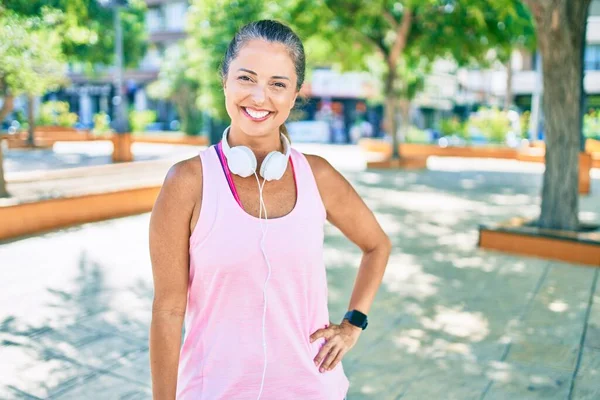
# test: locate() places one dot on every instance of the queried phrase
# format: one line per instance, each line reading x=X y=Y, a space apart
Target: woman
x=236 y=242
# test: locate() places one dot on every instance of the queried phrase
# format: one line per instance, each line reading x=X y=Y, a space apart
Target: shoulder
x=321 y=168
x=184 y=180
x=330 y=182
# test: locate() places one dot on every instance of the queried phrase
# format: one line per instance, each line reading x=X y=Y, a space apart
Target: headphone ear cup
x=241 y=161
x=273 y=166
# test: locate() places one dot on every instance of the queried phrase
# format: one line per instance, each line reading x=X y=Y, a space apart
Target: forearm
x=165 y=343
x=370 y=275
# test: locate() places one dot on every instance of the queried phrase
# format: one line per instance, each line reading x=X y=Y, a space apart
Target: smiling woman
x=241 y=261
x=261 y=83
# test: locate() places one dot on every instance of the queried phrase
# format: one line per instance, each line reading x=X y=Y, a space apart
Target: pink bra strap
x=223 y=160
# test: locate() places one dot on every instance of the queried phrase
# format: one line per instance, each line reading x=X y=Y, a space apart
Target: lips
x=256 y=115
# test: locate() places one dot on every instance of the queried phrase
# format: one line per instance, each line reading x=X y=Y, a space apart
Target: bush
x=591 y=124
x=56 y=113
x=492 y=123
x=416 y=135
x=524 y=122
x=139 y=120
x=453 y=126
x=101 y=123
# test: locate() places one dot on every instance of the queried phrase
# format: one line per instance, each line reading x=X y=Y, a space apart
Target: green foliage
x=56 y=113
x=101 y=123
x=524 y=123
x=416 y=135
x=86 y=27
x=591 y=124
x=31 y=62
x=492 y=123
x=139 y=120
x=176 y=83
x=453 y=126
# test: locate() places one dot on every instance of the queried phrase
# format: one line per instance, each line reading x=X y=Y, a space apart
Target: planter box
x=426 y=150
x=166 y=139
x=535 y=153
x=403 y=163
x=518 y=236
x=46 y=215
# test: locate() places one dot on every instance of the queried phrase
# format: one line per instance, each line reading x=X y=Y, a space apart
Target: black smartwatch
x=357 y=318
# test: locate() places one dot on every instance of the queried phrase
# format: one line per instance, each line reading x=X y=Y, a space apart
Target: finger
x=323 y=352
x=317 y=334
x=337 y=359
x=327 y=333
x=326 y=366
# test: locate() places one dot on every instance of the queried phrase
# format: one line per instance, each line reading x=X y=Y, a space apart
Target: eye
x=244 y=78
x=280 y=85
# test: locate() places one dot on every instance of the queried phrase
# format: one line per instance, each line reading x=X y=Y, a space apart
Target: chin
x=258 y=130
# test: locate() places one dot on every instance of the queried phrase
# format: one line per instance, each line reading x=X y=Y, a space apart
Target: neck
x=260 y=145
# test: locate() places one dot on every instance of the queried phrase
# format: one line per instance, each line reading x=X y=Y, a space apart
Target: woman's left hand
x=339 y=340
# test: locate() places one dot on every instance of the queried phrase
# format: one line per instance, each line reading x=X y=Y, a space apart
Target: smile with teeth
x=256 y=114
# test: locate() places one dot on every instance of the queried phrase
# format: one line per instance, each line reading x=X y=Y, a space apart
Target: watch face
x=357 y=318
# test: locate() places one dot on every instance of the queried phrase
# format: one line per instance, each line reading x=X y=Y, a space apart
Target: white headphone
x=242 y=161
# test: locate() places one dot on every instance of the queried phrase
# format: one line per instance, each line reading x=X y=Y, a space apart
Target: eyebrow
x=254 y=73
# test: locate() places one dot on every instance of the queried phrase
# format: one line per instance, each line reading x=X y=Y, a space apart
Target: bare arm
x=169 y=240
x=348 y=212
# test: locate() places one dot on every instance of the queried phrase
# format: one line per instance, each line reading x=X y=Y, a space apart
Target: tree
x=521 y=24
x=86 y=28
x=561 y=27
x=175 y=83
x=398 y=31
x=31 y=64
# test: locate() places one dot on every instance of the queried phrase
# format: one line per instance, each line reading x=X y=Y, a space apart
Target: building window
x=155 y=19
x=175 y=16
x=592 y=57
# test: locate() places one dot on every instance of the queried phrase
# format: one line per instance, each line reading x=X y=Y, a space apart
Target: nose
x=258 y=95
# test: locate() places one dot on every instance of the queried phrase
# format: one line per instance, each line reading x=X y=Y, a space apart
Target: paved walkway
x=450 y=321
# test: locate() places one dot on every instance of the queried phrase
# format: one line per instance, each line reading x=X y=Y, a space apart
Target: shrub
x=139 y=120
x=492 y=123
x=56 y=113
x=101 y=123
x=591 y=124
x=453 y=126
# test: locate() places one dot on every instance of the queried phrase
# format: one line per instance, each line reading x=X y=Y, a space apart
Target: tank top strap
x=307 y=185
x=213 y=190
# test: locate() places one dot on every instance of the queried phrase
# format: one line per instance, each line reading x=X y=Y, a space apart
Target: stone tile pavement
x=449 y=322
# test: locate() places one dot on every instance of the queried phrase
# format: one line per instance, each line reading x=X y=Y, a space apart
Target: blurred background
x=475 y=85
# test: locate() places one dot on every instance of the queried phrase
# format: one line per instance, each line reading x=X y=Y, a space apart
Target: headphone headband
x=242 y=161
x=287 y=148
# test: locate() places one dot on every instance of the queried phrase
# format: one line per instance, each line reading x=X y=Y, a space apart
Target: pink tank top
x=222 y=353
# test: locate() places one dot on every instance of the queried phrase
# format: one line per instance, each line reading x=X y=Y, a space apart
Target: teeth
x=256 y=114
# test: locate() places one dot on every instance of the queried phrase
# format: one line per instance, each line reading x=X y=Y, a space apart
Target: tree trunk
x=404 y=105
x=3 y=191
x=7 y=106
x=390 y=121
x=509 y=92
x=31 y=120
x=560 y=26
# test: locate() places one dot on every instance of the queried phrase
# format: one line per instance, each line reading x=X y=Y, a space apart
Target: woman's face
x=260 y=88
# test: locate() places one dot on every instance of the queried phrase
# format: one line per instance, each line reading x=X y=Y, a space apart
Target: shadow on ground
x=90 y=345
x=452 y=321
x=449 y=322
